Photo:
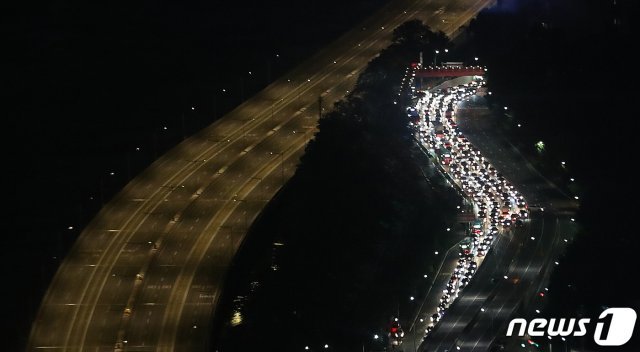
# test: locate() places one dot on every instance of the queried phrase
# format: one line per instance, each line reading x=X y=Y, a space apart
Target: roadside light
x=326 y=346
x=375 y=337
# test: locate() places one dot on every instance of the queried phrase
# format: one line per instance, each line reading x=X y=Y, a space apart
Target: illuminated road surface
x=147 y=272
x=523 y=255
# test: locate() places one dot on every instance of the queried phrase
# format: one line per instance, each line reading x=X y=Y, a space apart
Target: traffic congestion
x=497 y=205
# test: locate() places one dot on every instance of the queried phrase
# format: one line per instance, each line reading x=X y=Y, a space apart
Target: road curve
x=147 y=272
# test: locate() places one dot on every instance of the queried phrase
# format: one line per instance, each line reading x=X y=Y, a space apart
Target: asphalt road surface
x=147 y=272
x=525 y=256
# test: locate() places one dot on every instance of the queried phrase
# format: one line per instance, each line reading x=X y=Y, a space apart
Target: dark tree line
x=358 y=219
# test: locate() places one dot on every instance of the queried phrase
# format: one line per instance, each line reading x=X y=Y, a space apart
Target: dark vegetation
x=566 y=70
x=359 y=223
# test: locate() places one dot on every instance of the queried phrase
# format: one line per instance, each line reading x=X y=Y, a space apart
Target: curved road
x=524 y=255
x=147 y=272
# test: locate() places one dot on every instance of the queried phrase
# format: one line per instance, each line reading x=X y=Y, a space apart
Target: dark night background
x=90 y=83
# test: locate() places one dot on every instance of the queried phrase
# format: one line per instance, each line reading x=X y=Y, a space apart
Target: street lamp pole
x=435 y=57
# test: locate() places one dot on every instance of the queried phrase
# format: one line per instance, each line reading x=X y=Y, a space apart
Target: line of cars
x=497 y=204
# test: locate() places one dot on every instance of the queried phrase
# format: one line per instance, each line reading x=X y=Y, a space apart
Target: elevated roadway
x=147 y=272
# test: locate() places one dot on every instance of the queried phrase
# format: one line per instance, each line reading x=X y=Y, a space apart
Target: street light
x=435 y=57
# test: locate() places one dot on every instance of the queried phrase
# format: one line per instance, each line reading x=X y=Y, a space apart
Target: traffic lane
x=532 y=274
x=431 y=300
x=477 y=124
x=283 y=140
x=176 y=304
x=525 y=270
x=89 y=312
x=110 y=298
x=473 y=297
x=236 y=177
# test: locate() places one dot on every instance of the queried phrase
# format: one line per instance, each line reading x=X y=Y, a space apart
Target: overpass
x=449 y=71
x=146 y=274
